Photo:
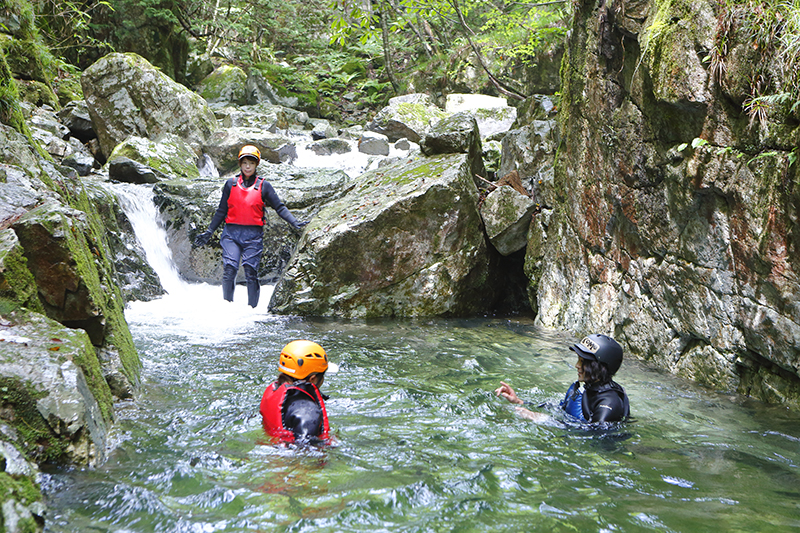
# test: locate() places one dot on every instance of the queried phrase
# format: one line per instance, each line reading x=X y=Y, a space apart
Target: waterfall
x=137 y=203
x=193 y=311
x=207 y=167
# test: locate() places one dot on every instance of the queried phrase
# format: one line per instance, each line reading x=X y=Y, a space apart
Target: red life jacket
x=245 y=204
x=272 y=411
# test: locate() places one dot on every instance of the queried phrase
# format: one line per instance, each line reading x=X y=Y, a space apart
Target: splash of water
x=188 y=310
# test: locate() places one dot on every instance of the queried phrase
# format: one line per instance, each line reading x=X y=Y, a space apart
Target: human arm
x=271 y=199
x=505 y=391
x=219 y=216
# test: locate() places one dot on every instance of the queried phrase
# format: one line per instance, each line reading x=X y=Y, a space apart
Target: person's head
x=302 y=359
x=249 y=158
x=599 y=358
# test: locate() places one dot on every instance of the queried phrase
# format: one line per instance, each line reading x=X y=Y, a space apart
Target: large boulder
x=406 y=240
x=170 y=157
x=507 y=215
x=409 y=116
x=127 y=96
x=54 y=390
x=492 y=113
x=456 y=134
x=531 y=151
x=226 y=84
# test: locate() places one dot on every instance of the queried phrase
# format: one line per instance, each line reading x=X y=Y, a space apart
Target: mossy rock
x=38 y=94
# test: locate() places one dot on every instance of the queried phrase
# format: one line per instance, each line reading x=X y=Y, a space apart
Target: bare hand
x=505 y=391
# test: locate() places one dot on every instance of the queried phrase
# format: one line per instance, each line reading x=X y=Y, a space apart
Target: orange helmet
x=248 y=150
x=301 y=358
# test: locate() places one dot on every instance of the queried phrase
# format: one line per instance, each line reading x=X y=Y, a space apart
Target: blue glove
x=301 y=225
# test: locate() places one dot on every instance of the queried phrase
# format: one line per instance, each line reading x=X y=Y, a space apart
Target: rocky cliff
x=673 y=219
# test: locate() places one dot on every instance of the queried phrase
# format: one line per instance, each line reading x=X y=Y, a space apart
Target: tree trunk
x=502 y=87
x=387 y=55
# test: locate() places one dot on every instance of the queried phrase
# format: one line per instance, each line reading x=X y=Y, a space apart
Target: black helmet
x=601 y=348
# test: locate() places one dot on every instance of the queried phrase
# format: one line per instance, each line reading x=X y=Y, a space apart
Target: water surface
x=421 y=442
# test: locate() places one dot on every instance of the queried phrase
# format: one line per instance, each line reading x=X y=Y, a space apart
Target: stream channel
x=420 y=441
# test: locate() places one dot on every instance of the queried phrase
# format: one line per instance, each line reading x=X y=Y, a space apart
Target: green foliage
x=72 y=29
x=10 y=111
x=772 y=29
x=520 y=32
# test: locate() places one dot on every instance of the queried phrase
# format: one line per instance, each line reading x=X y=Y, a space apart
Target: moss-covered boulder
x=507 y=215
x=16 y=281
x=127 y=97
x=456 y=134
x=409 y=116
x=171 y=156
x=23 y=506
x=226 y=84
x=67 y=253
x=53 y=391
x=406 y=240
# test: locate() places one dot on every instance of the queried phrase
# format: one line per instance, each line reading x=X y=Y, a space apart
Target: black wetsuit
x=268 y=194
x=606 y=402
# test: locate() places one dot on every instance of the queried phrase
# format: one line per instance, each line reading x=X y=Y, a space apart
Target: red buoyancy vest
x=245 y=204
x=272 y=411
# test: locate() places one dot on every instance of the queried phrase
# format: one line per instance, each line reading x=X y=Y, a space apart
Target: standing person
x=292 y=407
x=242 y=208
x=602 y=399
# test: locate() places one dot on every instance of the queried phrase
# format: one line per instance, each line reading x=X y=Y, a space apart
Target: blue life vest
x=573 y=401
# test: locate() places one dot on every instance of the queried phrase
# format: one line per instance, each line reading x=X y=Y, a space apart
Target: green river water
x=421 y=442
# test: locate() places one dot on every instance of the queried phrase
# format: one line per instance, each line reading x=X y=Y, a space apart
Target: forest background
x=341 y=59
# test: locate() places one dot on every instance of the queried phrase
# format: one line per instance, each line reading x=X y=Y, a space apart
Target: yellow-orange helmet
x=301 y=358
x=248 y=150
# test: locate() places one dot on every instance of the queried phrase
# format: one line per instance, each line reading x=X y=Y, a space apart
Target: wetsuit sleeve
x=302 y=416
x=222 y=209
x=607 y=406
x=271 y=199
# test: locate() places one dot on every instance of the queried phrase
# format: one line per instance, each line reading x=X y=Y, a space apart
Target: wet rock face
x=406 y=240
x=666 y=231
x=55 y=394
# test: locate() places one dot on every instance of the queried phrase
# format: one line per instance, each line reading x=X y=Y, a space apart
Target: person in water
x=244 y=198
x=292 y=407
x=601 y=399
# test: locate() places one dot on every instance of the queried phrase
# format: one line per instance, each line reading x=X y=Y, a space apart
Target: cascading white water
x=137 y=202
x=191 y=310
x=207 y=167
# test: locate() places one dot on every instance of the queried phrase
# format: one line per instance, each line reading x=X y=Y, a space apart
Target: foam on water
x=194 y=311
